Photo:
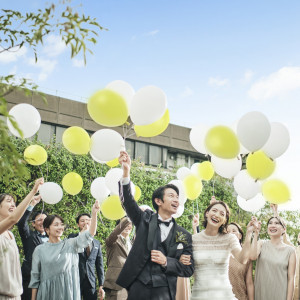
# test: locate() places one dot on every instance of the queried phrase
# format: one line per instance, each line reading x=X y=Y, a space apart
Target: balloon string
x=132 y=134
x=101 y=219
x=213 y=187
x=193 y=208
x=128 y=130
x=197 y=206
x=123 y=127
x=43 y=207
x=47 y=170
x=95 y=167
x=41 y=171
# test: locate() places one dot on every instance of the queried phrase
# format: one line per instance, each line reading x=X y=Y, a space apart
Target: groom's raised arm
x=132 y=209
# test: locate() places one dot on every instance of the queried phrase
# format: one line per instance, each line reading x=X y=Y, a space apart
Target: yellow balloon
x=112 y=209
x=222 y=142
x=192 y=186
x=108 y=108
x=276 y=191
x=206 y=170
x=259 y=165
x=113 y=163
x=76 y=140
x=137 y=193
x=35 y=155
x=72 y=183
x=155 y=128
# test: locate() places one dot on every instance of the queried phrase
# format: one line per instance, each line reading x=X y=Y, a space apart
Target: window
x=129 y=147
x=59 y=133
x=155 y=155
x=141 y=152
x=45 y=133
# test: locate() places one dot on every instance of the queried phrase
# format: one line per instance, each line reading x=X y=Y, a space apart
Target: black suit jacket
x=146 y=227
x=30 y=240
x=87 y=265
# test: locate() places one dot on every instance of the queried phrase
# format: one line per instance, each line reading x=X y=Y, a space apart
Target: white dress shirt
x=165 y=230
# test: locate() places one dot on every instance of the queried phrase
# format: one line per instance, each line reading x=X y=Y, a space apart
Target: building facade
x=170 y=149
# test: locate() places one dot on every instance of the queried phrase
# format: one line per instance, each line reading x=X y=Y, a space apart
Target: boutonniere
x=181 y=237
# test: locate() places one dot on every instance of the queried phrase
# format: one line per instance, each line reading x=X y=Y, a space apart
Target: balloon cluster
x=262 y=141
x=189 y=182
x=28 y=120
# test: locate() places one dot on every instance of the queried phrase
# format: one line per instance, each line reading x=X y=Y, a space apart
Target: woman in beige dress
x=240 y=275
x=10 y=268
x=276 y=263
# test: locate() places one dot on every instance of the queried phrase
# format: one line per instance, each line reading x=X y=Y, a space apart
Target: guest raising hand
x=54 y=273
x=10 y=269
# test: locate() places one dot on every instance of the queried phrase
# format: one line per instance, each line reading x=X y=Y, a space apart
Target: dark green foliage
x=60 y=162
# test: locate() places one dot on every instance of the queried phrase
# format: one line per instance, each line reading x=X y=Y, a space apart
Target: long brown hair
x=223 y=227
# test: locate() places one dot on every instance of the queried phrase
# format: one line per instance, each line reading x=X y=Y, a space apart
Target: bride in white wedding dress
x=212 y=248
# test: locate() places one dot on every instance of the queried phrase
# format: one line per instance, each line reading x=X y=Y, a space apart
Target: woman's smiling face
x=216 y=216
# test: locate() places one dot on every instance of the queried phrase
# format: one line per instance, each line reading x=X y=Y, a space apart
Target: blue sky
x=215 y=60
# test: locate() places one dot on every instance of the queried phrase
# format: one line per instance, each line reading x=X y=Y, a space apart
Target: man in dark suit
x=31 y=239
x=152 y=267
x=89 y=260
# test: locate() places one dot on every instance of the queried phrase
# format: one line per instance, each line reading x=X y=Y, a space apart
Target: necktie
x=167 y=223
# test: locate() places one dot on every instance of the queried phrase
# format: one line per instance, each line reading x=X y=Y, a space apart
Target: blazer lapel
x=152 y=231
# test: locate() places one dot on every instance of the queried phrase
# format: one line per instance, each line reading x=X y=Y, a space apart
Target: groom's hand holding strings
x=125 y=162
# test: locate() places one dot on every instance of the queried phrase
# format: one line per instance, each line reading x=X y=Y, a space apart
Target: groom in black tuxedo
x=152 y=267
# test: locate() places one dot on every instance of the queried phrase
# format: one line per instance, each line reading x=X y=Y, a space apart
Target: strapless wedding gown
x=211 y=257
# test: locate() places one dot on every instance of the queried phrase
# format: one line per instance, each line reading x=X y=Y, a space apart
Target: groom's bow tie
x=41 y=235
x=167 y=223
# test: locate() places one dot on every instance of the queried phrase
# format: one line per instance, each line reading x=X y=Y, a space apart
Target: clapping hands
x=254 y=225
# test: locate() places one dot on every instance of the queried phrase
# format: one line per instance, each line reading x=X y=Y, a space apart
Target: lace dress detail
x=211 y=257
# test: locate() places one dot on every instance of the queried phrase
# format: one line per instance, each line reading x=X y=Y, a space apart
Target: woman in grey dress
x=276 y=263
x=54 y=273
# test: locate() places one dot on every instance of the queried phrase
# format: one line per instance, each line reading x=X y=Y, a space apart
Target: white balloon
x=112 y=177
x=99 y=190
x=278 y=141
x=243 y=150
x=179 y=212
x=253 y=204
x=182 y=196
x=148 y=105
x=123 y=88
x=253 y=130
x=28 y=119
x=183 y=172
x=51 y=192
x=227 y=168
x=194 y=169
x=106 y=145
x=197 y=137
x=245 y=185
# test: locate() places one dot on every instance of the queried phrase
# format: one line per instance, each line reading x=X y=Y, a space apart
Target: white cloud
x=45 y=65
x=153 y=32
x=187 y=92
x=54 y=46
x=79 y=63
x=248 y=76
x=12 y=55
x=217 y=81
x=285 y=80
